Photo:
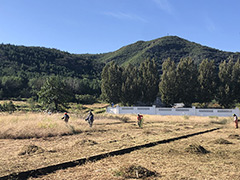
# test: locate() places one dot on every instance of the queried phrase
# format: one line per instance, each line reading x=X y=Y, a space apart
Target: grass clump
x=234 y=136
x=31 y=149
x=213 y=117
x=134 y=171
x=87 y=142
x=221 y=122
x=195 y=148
x=221 y=141
x=124 y=119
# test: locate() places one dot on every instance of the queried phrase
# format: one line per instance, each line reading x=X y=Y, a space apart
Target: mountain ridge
x=162 y=48
x=47 y=61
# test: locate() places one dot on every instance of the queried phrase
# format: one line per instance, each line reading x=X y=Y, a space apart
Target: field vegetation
x=34 y=140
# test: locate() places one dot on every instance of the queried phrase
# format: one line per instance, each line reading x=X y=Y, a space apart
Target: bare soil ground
x=213 y=155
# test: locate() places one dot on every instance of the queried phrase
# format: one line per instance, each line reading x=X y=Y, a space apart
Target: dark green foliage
x=160 y=49
x=8 y=107
x=12 y=86
x=38 y=61
x=187 y=81
x=54 y=94
x=131 y=91
x=149 y=80
x=85 y=99
x=111 y=83
x=207 y=82
x=131 y=84
x=225 y=95
x=23 y=70
x=84 y=86
x=167 y=86
x=236 y=81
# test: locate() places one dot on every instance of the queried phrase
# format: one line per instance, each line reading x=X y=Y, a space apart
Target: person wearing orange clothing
x=140 y=120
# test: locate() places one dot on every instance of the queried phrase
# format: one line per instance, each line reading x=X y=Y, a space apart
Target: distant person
x=90 y=118
x=140 y=120
x=112 y=104
x=66 y=117
x=235 y=119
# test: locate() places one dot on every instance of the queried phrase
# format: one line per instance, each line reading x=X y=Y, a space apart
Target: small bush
x=8 y=107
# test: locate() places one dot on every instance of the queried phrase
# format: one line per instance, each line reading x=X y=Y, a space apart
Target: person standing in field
x=90 y=118
x=235 y=119
x=140 y=120
x=66 y=117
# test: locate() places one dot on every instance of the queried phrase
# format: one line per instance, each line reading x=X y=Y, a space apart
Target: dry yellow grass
x=169 y=161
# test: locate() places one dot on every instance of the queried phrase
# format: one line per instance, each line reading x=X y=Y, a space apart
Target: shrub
x=8 y=107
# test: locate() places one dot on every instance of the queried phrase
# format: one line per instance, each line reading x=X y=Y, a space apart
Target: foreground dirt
x=169 y=161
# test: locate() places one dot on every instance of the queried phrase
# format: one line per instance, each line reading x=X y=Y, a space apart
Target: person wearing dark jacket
x=90 y=118
x=66 y=117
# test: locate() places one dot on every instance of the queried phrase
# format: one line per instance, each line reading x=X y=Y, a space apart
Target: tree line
x=24 y=70
x=184 y=82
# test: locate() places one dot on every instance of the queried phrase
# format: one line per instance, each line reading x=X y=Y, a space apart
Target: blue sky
x=99 y=26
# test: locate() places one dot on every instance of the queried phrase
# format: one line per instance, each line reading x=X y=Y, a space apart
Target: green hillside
x=162 y=48
x=23 y=70
x=39 y=61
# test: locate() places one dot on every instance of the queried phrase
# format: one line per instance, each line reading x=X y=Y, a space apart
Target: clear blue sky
x=99 y=26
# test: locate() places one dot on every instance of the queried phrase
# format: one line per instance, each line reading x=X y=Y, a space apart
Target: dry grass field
x=34 y=140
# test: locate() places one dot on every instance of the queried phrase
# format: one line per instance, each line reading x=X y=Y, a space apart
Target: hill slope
x=39 y=61
x=162 y=48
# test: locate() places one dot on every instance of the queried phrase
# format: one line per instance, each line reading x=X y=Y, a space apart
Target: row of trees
x=131 y=84
x=189 y=83
x=183 y=82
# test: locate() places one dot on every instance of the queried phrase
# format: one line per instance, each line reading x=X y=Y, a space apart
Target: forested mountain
x=161 y=49
x=24 y=70
x=39 y=61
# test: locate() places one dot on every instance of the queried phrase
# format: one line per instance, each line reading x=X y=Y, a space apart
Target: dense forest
x=23 y=70
x=26 y=71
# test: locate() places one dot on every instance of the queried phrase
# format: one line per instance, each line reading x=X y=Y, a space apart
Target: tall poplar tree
x=111 y=82
x=149 y=81
x=236 y=80
x=130 y=86
x=207 y=79
x=225 y=94
x=167 y=86
x=187 y=81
